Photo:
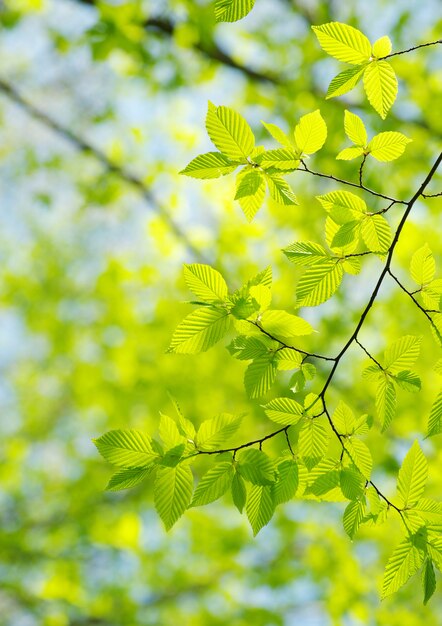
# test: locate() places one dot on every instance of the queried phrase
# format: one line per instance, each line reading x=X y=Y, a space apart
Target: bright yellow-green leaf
x=259 y=507
x=435 y=418
x=353 y=516
x=209 y=165
x=200 y=330
x=385 y=402
x=214 y=483
x=355 y=129
x=126 y=448
x=305 y=253
x=260 y=376
x=283 y=324
x=250 y=193
x=229 y=132
x=412 y=477
x=282 y=159
x=310 y=133
x=216 y=431
x=285 y=411
x=345 y=81
x=278 y=134
x=376 y=233
x=402 y=354
x=381 y=86
x=312 y=442
x=403 y=563
x=343 y=206
x=422 y=266
x=280 y=191
x=343 y=42
x=318 y=283
x=388 y=146
x=172 y=493
x=206 y=283
x=382 y=47
x=347 y=154
x=232 y=10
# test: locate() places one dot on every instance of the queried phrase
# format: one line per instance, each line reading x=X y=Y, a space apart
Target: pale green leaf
x=402 y=565
x=343 y=42
x=200 y=330
x=250 y=193
x=260 y=507
x=280 y=191
x=209 y=165
x=345 y=81
x=232 y=10
x=172 y=493
x=206 y=283
x=355 y=129
x=229 y=132
x=256 y=467
x=344 y=419
x=346 y=233
x=409 y=381
x=283 y=324
x=126 y=448
x=347 y=154
x=402 y=354
x=353 y=516
x=215 y=431
x=412 y=476
x=388 y=146
x=280 y=159
x=305 y=253
x=284 y=411
x=360 y=455
x=382 y=47
x=385 y=402
x=260 y=376
x=312 y=442
x=318 y=283
x=287 y=484
x=169 y=433
x=422 y=266
x=287 y=359
x=310 y=133
x=381 y=86
x=435 y=418
x=128 y=477
x=352 y=482
x=213 y=484
x=279 y=135
x=343 y=206
x=376 y=233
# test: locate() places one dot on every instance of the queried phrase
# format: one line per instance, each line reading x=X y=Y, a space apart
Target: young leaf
x=388 y=146
x=353 y=516
x=318 y=283
x=409 y=381
x=382 y=47
x=312 y=442
x=402 y=565
x=250 y=193
x=172 y=493
x=412 y=476
x=385 y=402
x=355 y=129
x=348 y=154
x=281 y=159
x=305 y=253
x=345 y=81
x=213 y=484
x=376 y=233
x=343 y=42
x=310 y=133
x=422 y=266
x=256 y=467
x=435 y=419
x=260 y=376
x=381 y=87
x=346 y=233
x=428 y=579
x=239 y=492
x=209 y=165
x=200 y=330
x=352 y=482
x=343 y=206
x=402 y=354
x=206 y=283
x=215 y=431
x=229 y=132
x=360 y=455
x=128 y=477
x=169 y=433
x=286 y=486
x=126 y=448
x=285 y=411
x=260 y=507
x=280 y=191
x=278 y=134
x=232 y=10
x=283 y=324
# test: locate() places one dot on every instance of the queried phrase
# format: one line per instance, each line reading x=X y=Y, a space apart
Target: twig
x=422 y=45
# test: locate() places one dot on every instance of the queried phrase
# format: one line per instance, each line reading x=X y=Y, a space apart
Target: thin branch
x=422 y=45
x=361 y=170
x=368 y=353
x=350 y=184
x=431 y=195
x=83 y=145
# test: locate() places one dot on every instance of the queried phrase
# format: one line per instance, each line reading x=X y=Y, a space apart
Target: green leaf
x=348 y=154
x=229 y=132
x=385 y=402
x=343 y=42
x=284 y=411
x=250 y=193
x=312 y=442
x=305 y=253
x=402 y=354
x=205 y=282
x=169 y=433
x=214 y=483
x=128 y=477
x=172 y=493
x=382 y=47
x=376 y=233
x=381 y=87
x=286 y=486
x=352 y=483
x=259 y=507
x=283 y=324
x=278 y=134
x=360 y=455
x=402 y=565
x=318 y=283
x=435 y=419
x=215 y=431
x=256 y=467
x=200 y=330
x=344 y=419
x=409 y=381
x=353 y=516
x=239 y=492
x=310 y=133
x=355 y=129
x=343 y=206
x=287 y=359
x=422 y=266
x=388 y=146
x=345 y=81
x=232 y=10
x=346 y=233
x=260 y=376
x=280 y=159
x=280 y=191
x=173 y=456
x=126 y=448
x=428 y=579
x=412 y=477
x=209 y=165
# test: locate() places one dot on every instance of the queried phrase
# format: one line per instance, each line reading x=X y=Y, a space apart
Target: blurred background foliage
x=101 y=104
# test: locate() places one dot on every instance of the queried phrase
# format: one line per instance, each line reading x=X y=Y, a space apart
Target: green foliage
x=232 y=10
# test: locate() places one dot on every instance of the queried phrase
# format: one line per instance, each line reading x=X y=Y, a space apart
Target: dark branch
x=422 y=45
